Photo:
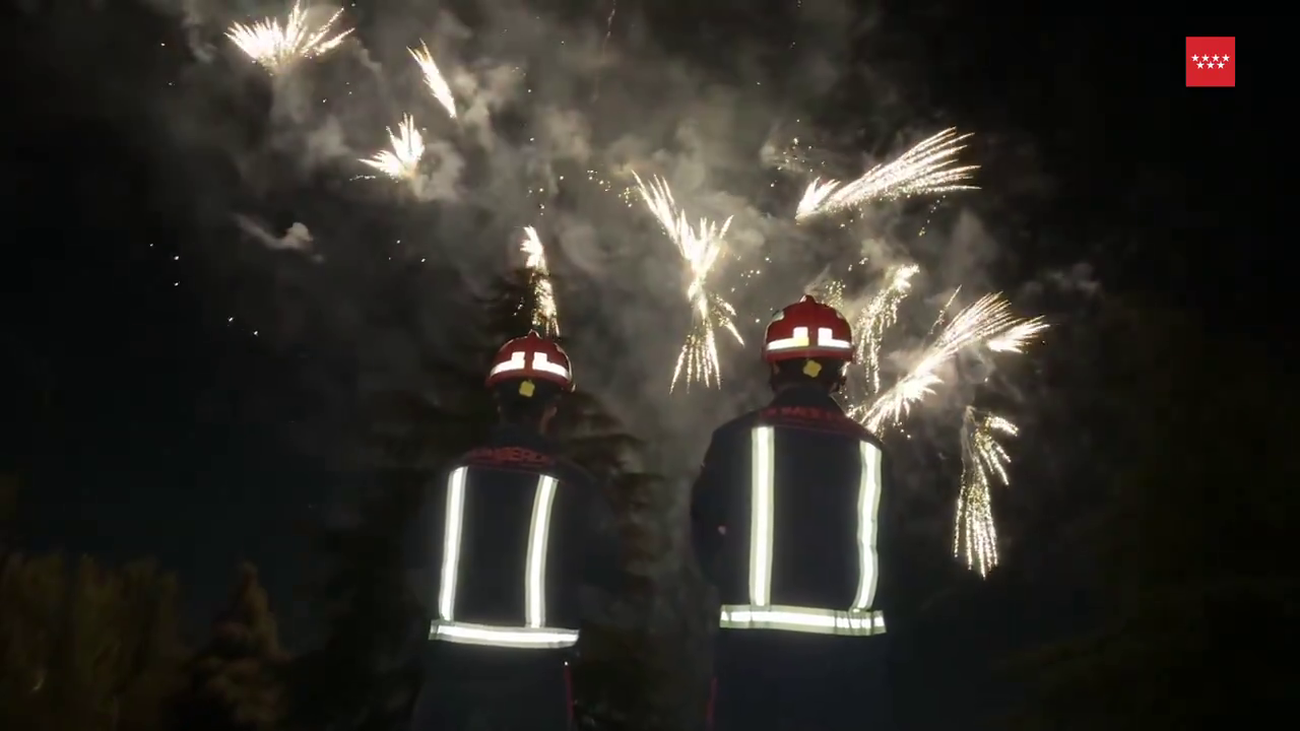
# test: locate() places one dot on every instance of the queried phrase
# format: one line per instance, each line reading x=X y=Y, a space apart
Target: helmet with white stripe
x=808 y=329
x=531 y=357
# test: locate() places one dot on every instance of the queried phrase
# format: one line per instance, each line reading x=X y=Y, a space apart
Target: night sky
x=169 y=391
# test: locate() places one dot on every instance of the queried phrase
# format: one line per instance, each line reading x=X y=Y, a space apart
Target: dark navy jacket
x=784 y=517
x=514 y=541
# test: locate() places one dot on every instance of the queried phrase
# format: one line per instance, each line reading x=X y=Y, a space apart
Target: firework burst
x=983 y=461
x=988 y=321
x=545 y=317
x=926 y=168
x=700 y=246
x=402 y=162
x=875 y=319
x=433 y=79
x=987 y=324
x=278 y=45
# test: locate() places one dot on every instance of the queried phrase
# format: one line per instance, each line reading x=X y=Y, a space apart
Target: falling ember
x=402 y=162
x=276 y=46
x=829 y=292
x=545 y=317
x=700 y=246
x=926 y=168
x=433 y=79
x=983 y=461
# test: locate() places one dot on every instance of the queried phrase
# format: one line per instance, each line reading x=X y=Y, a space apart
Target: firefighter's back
x=801 y=536
x=512 y=503
x=507 y=538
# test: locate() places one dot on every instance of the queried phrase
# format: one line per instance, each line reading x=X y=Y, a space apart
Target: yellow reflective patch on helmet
x=526 y=389
x=812 y=369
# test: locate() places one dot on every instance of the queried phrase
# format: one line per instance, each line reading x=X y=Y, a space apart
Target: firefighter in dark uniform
x=784 y=524
x=518 y=548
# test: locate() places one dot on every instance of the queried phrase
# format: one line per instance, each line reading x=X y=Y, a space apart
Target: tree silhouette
x=86 y=647
x=237 y=679
x=1195 y=495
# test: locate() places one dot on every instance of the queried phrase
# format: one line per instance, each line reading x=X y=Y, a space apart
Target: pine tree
x=86 y=647
x=237 y=679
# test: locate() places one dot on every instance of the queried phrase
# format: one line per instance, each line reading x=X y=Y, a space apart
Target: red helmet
x=808 y=329
x=531 y=357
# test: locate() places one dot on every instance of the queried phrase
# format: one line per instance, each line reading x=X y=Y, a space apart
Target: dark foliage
x=87 y=647
x=237 y=680
x=1193 y=588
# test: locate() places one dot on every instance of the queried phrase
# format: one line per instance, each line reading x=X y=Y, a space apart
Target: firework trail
x=988 y=321
x=700 y=246
x=277 y=46
x=874 y=320
x=402 y=162
x=545 y=317
x=926 y=168
x=983 y=460
x=600 y=60
x=433 y=78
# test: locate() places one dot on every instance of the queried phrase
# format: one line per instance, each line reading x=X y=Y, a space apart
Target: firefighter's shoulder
x=571 y=473
x=741 y=425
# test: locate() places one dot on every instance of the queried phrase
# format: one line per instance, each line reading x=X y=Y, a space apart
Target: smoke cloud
x=296 y=238
x=554 y=112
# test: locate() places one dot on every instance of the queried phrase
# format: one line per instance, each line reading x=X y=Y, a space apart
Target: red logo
x=1211 y=61
x=805 y=416
x=508 y=456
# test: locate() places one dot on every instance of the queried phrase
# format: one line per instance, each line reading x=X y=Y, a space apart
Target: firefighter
x=517 y=553
x=784 y=526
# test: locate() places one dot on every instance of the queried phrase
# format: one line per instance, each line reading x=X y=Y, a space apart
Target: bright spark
x=433 y=79
x=277 y=46
x=877 y=317
x=988 y=321
x=829 y=292
x=1015 y=338
x=983 y=461
x=402 y=162
x=700 y=246
x=924 y=169
x=545 y=317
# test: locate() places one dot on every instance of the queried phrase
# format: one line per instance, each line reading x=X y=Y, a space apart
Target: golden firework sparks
x=700 y=246
x=988 y=320
x=433 y=78
x=402 y=162
x=926 y=168
x=880 y=314
x=545 y=316
x=278 y=45
x=983 y=461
